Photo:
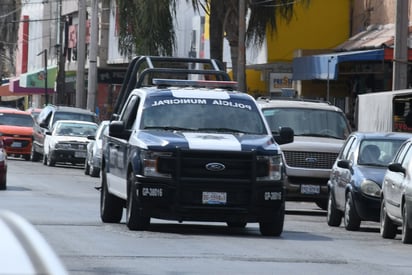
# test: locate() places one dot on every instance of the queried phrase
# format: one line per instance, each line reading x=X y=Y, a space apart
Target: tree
x=10 y=14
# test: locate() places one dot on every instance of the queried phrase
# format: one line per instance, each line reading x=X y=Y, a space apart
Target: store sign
x=279 y=81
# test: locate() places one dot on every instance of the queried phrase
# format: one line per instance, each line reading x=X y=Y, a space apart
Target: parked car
x=34 y=112
x=396 y=199
x=320 y=131
x=3 y=167
x=24 y=250
x=46 y=119
x=92 y=164
x=356 y=177
x=16 y=131
x=67 y=142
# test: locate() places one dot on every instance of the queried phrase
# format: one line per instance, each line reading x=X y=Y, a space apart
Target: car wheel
x=334 y=216
x=274 y=227
x=237 y=224
x=351 y=218
x=387 y=228
x=135 y=220
x=3 y=181
x=26 y=157
x=50 y=159
x=44 y=159
x=406 y=227
x=86 y=168
x=322 y=204
x=34 y=156
x=94 y=172
x=111 y=207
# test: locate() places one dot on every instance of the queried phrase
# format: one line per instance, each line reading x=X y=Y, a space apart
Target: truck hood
x=169 y=140
x=314 y=144
x=13 y=130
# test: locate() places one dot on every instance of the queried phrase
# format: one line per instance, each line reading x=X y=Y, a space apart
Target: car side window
x=129 y=115
x=346 y=148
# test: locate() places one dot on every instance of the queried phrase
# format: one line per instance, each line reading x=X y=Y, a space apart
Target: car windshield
x=378 y=152
x=308 y=122
x=73 y=116
x=16 y=120
x=74 y=129
x=239 y=117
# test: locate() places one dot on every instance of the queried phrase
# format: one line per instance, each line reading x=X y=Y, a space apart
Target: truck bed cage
x=142 y=69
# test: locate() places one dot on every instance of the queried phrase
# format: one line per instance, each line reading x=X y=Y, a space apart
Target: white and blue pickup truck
x=190 y=150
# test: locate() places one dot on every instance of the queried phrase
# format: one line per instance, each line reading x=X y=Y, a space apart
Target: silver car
x=396 y=198
x=94 y=151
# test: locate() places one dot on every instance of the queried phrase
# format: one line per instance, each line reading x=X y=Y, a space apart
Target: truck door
x=119 y=149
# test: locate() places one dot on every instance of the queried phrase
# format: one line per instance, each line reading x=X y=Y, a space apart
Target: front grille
x=191 y=165
x=314 y=160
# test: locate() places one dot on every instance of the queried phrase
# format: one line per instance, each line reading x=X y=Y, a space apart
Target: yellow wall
x=323 y=24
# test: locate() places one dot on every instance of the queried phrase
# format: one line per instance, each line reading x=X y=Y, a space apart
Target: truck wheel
x=94 y=172
x=334 y=216
x=3 y=183
x=406 y=227
x=387 y=228
x=111 y=207
x=351 y=218
x=86 y=168
x=34 y=156
x=44 y=160
x=322 y=204
x=274 y=227
x=134 y=217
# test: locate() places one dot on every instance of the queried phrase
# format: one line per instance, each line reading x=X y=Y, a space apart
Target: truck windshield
x=207 y=117
x=308 y=122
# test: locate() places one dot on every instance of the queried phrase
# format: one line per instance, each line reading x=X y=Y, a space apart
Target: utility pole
x=92 y=76
x=241 y=64
x=400 y=58
x=61 y=60
x=81 y=55
x=46 y=95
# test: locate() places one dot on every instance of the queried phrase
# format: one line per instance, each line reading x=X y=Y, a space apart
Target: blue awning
x=322 y=65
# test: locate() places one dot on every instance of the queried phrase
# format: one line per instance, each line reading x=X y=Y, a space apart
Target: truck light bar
x=195 y=83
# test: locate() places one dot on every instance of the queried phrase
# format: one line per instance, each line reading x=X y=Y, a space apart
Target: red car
x=3 y=167
x=16 y=132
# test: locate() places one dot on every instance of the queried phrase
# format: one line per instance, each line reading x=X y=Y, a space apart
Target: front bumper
x=306 y=189
x=72 y=156
x=368 y=208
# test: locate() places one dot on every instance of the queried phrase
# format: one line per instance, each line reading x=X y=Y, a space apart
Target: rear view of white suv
x=320 y=131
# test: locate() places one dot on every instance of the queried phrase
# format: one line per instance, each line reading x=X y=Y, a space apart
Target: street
x=63 y=204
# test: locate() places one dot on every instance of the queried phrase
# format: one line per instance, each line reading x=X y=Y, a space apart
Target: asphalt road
x=63 y=205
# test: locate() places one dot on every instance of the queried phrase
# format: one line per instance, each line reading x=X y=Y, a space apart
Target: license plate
x=309 y=189
x=214 y=197
x=79 y=154
x=16 y=144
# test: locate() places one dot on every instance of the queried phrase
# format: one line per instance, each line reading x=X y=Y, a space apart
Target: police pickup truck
x=190 y=150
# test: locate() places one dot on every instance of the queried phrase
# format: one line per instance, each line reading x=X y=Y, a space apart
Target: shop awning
x=36 y=79
x=16 y=89
x=324 y=66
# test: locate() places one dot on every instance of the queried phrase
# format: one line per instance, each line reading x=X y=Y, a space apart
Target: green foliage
x=146 y=27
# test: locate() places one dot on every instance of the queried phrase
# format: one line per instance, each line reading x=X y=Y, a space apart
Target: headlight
x=273 y=167
x=150 y=164
x=370 y=188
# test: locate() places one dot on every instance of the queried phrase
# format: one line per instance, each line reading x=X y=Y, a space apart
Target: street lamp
x=45 y=74
x=330 y=58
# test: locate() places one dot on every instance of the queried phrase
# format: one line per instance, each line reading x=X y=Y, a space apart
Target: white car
x=94 y=151
x=67 y=142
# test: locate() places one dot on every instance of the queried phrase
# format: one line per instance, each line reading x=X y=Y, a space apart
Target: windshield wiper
x=222 y=129
x=318 y=135
x=169 y=128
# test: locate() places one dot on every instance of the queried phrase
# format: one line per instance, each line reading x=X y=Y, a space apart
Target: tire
x=274 y=227
x=387 y=227
x=111 y=207
x=86 y=168
x=3 y=183
x=406 y=227
x=94 y=172
x=50 y=159
x=134 y=217
x=27 y=157
x=34 y=156
x=351 y=218
x=322 y=204
x=44 y=159
x=334 y=216
x=236 y=224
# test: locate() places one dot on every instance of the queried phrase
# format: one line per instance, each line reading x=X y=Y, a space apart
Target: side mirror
x=286 y=135
x=43 y=125
x=48 y=133
x=396 y=167
x=345 y=164
x=116 y=129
